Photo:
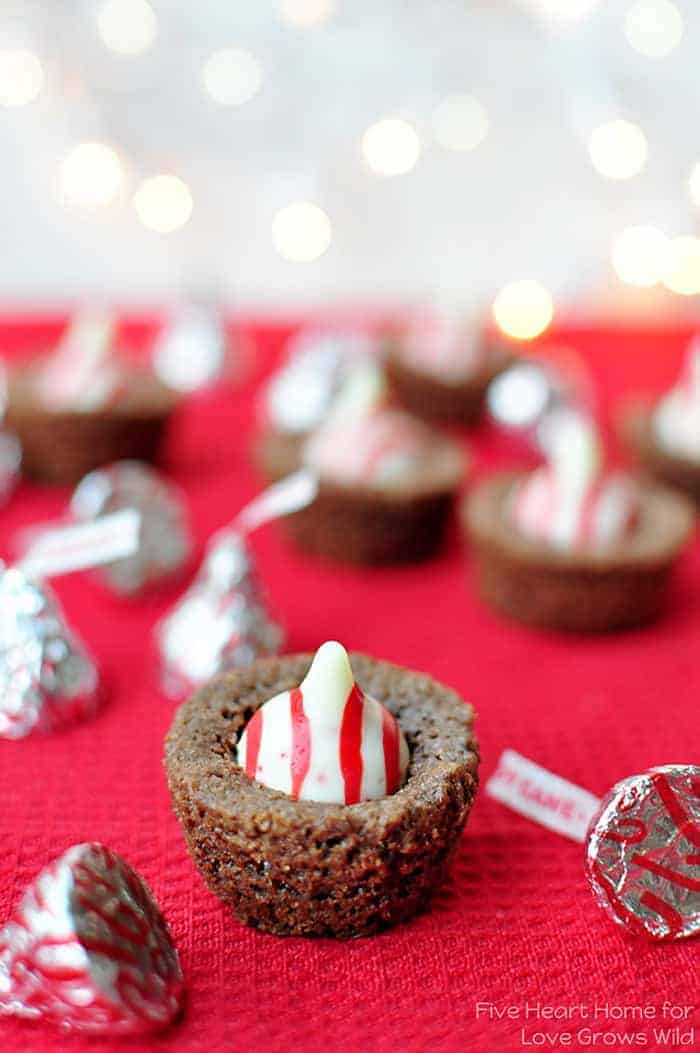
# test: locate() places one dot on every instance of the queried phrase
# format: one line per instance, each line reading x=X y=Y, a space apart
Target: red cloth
x=516 y=925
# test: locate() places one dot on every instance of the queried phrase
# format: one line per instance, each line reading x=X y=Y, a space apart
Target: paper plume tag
x=537 y=793
x=289 y=495
x=61 y=550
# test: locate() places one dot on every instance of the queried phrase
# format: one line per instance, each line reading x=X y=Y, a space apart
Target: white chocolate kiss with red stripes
x=571 y=503
x=443 y=345
x=383 y=447
x=325 y=740
x=82 y=374
x=677 y=418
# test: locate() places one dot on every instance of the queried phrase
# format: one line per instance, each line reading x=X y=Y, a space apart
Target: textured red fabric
x=516 y=926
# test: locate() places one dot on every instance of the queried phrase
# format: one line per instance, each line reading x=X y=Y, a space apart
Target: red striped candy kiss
x=325 y=740
x=603 y=512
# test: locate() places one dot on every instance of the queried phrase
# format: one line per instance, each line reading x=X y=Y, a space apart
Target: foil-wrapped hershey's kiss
x=88 y=949
x=643 y=853
x=164 y=540
x=47 y=678
x=220 y=623
x=642 y=841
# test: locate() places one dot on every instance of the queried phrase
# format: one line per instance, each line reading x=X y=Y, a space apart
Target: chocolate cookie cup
x=636 y=425
x=442 y=401
x=61 y=446
x=302 y=868
x=623 y=586
x=367 y=526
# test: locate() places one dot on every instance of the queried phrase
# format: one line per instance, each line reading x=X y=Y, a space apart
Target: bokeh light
x=460 y=122
x=21 y=77
x=163 y=203
x=618 y=149
x=232 y=76
x=391 y=147
x=307 y=13
x=91 y=176
x=301 y=231
x=654 y=27
x=682 y=271
x=640 y=255
x=694 y=184
x=523 y=309
x=562 y=10
x=127 y=26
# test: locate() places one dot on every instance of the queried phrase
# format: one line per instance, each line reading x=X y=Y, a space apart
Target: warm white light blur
x=391 y=147
x=163 y=203
x=694 y=185
x=127 y=26
x=682 y=272
x=91 y=176
x=523 y=309
x=654 y=27
x=562 y=10
x=21 y=77
x=460 y=122
x=232 y=76
x=640 y=255
x=618 y=149
x=301 y=231
x=306 y=13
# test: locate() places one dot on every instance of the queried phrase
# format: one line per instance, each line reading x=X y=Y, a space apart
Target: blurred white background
x=498 y=162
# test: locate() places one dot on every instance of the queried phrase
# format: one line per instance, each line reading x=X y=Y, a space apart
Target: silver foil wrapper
x=165 y=543
x=299 y=395
x=87 y=949
x=221 y=622
x=527 y=397
x=10 y=463
x=47 y=678
x=643 y=853
x=193 y=350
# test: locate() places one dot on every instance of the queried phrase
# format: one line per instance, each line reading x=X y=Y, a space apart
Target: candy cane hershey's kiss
x=574 y=546
x=325 y=740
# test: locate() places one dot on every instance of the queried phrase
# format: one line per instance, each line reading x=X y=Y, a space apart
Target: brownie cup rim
x=237 y=793
x=360 y=493
x=636 y=425
x=24 y=405
x=484 y=519
x=472 y=383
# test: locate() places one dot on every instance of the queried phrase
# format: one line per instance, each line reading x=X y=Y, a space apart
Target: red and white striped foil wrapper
x=88 y=950
x=643 y=853
x=642 y=841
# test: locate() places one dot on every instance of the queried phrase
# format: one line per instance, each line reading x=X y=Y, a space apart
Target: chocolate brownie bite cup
x=665 y=436
x=583 y=552
x=291 y=865
x=440 y=369
x=387 y=486
x=82 y=408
